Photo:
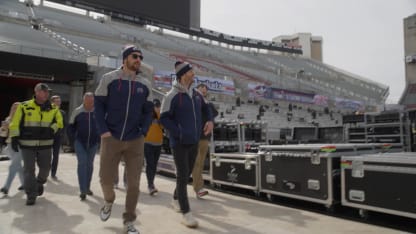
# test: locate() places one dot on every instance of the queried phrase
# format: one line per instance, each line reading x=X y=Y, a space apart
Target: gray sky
x=364 y=37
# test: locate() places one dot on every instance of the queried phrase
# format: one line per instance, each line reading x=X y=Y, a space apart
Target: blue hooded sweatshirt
x=181 y=115
x=122 y=106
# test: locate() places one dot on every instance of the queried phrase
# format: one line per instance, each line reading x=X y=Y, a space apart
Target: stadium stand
x=73 y=36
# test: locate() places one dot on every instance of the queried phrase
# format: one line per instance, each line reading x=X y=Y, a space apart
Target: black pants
x=184 y=157
x=151 y=154
x=43 y=159
x=55 y=155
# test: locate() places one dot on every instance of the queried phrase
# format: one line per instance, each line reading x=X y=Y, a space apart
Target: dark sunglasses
x=136 y=56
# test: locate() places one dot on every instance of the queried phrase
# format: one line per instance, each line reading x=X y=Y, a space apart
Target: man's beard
x=133 y=67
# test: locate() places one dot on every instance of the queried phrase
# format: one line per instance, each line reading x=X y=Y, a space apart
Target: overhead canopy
x=29 y=66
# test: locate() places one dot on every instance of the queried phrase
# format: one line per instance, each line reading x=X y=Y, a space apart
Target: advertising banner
x=348 y=104
x=164 y=79
x=262 y=91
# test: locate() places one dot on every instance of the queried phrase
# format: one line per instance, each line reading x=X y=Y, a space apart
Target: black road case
x=236 y=170
x=309 y=172
x=380 y=182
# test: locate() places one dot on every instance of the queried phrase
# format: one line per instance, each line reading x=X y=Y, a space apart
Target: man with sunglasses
x=123 y=115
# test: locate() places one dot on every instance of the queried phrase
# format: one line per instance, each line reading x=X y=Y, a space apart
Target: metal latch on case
x=217 y=161
x=357 y=169
x=268 y=156
x=313 y=184
x=356 y=195
x=247 y=164
x=271 y=179
x=315 y=159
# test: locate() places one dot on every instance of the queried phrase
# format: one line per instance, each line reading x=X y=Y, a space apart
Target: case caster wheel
x=217 y=185
x=330 y=208
x=363 y=213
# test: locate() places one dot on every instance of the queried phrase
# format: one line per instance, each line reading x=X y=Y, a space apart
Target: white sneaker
x=176 y=206
x=129 y=228
x=105 y=211
x=189 y=220
x=202 y=192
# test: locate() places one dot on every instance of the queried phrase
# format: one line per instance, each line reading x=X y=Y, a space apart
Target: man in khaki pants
x=123 y=114
x=198 y=182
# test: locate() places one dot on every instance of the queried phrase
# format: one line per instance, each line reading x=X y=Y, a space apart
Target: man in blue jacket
x=181 y=116
x=83 y=132
x=123 y=115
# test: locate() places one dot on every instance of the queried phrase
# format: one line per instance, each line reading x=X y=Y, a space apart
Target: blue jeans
x=151 y=154
x=85 y=158
x=55 y=153
x=14 y=168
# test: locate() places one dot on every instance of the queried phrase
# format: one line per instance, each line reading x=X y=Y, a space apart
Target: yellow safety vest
x=35 y=126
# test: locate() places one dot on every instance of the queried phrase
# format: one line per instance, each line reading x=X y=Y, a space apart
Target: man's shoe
x=54 y=177
x=83 y=196
x=40 y=189
x=189 y=220
x=21 y=188
x=130 y=229
x=105 y=211
x=4 y=190
x=176 y=206
x=201 y=193
x=89 y=193
x=153 y=191
x=31 y=201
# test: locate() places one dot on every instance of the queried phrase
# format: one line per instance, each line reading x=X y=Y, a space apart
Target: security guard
x=32 y=130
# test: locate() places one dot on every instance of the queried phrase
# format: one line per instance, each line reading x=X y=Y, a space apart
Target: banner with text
x=349 y=104
x=262 y=91
x=164 y=79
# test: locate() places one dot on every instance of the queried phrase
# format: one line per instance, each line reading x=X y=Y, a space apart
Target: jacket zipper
x=193 y=109
x=127 y=111
x=89 y=130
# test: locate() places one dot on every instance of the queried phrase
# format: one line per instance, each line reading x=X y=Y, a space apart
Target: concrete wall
x=410 y=47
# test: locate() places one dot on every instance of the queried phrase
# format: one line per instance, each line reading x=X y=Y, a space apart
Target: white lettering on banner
x=165 y=78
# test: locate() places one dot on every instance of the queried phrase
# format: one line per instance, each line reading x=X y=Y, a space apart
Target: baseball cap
x=42 y=86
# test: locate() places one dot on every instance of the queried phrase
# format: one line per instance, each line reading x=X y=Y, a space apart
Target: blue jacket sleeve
x=71 y=131
x=206 y=111
x=100 y=110
x=147 y=116
x=167 y=117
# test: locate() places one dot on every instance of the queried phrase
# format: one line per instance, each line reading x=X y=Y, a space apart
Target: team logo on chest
x=140 y=90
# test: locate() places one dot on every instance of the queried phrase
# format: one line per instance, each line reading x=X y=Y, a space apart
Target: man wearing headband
x=181 y=114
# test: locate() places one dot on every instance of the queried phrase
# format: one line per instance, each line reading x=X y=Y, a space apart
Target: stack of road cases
x=235 y=169
x=380 y=182
x=309 y=172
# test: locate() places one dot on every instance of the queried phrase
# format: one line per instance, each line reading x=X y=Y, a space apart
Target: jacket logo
x=140 y=90
x=29 y=113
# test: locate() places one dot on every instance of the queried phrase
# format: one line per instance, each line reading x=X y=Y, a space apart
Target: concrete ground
x=60 y=210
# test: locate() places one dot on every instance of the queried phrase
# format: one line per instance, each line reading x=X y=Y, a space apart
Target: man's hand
x=106 y=134
x=208 y=127
x=15 y=144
